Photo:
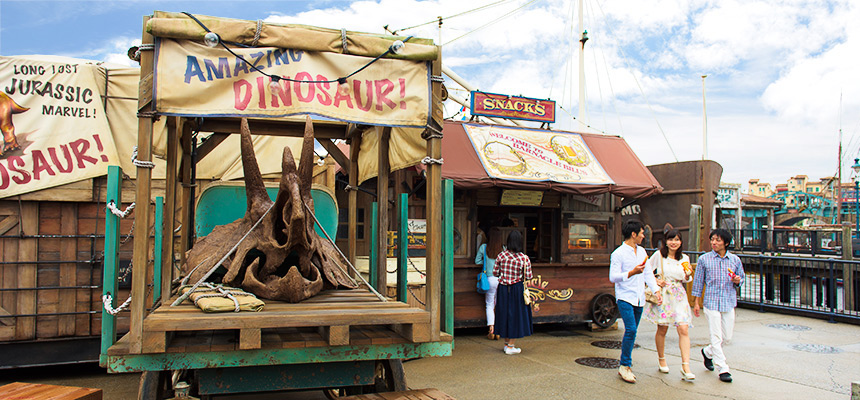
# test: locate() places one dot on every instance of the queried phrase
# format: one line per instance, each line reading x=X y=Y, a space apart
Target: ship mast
x=583 y=38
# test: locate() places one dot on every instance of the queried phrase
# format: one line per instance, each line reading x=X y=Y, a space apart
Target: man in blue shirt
x=627 y=271
x=720 y=274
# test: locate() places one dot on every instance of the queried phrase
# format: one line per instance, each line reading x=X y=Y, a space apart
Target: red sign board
x=504 y=106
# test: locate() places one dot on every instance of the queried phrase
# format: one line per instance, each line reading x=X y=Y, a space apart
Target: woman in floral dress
x=672 y=269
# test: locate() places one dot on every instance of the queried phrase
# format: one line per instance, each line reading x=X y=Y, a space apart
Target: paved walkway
x=767 y=363
x=818 y=362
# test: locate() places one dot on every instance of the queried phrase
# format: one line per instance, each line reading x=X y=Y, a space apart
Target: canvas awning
x=630 y=177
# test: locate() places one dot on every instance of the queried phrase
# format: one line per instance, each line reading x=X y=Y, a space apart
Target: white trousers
x=490 y=299
x=720 y=325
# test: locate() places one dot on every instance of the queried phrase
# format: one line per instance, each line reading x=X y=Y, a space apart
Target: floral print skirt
x=675 y=308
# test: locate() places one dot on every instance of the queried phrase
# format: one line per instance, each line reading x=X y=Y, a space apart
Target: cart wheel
x=153 y=385
x=390 y=376
x=604 y=310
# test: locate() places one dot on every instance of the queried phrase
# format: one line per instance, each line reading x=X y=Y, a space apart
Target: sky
x=781 y=74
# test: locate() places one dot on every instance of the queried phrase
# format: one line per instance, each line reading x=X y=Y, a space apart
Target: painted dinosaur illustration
x=7 y=108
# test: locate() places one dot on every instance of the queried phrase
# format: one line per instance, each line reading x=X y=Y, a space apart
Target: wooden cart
x=338 y=339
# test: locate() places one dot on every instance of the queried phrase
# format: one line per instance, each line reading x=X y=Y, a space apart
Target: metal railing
x=794 y=241
x=816 y=287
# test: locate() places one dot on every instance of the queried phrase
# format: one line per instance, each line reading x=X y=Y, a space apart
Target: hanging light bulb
x=275 y=85
x=211 y=39
x=342 y=87
x=396 y=46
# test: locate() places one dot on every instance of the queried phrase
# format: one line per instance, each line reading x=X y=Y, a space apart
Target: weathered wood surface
x=20 y=390
x=418 y=394
x=333 y=318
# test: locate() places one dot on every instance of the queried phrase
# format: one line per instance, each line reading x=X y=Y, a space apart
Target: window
x=587 y=235
x=343 y=224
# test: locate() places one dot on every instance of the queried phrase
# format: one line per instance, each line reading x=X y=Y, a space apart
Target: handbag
x=650 y=296
x=527 y=298
x=483 y=282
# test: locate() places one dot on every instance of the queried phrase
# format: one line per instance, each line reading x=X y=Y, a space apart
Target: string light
x=343 y=87
x=275 y=85
x=212 y=39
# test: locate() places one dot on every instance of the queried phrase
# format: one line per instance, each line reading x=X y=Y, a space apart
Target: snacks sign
x=535 y=155
x=500 y=105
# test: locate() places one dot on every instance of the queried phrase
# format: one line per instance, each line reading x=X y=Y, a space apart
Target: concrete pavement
x=771 y=356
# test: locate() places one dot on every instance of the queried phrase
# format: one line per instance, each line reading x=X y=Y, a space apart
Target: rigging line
x=597 y=71
x=492 y=22
x=611 y=89
x=452 y=16
x=561 y=56
x=635 y=79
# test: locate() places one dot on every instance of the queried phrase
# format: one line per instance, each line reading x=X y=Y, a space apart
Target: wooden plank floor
x=332 y=318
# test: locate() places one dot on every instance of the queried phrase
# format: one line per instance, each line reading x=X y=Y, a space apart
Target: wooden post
x=170 y=207
x=770 y=244
x=695 y=226
x=140 y=258
x=354 y=148
x=185 y=193
x=111 y=257
x=383 y=134
x=433 y=289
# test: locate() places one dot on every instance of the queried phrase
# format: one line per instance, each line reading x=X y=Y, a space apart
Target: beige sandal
x=687 y=376
x=663 y=369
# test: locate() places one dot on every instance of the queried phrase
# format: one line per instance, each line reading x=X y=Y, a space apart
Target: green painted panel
x=247 y=358
x=221 y=205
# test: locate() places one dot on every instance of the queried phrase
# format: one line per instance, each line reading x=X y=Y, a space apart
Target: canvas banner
x=54 y=126
x=195 y=80
x=535 y=155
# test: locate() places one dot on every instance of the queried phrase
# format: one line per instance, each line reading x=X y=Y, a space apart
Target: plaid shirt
x=509 y=267
x=712 y=273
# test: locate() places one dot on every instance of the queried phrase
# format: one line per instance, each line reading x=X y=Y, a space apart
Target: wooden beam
x=383 y=173
x=140 y=257
x=335 y=153
x=294 y=128
x=210 y=144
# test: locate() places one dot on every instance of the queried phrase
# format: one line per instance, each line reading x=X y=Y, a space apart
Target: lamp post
x=856 y=168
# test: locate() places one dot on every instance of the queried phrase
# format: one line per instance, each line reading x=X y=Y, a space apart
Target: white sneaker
x=510 y=350
x=626 y=374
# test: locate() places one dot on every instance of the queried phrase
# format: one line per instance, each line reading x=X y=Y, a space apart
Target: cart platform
x=332 y=318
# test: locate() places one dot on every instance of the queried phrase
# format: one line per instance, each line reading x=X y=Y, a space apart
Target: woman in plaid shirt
x=513 y=316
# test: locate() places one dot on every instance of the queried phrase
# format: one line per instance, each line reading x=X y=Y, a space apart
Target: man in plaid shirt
x=720 y=274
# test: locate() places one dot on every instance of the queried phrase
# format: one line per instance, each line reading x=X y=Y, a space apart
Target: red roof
x=631 y=178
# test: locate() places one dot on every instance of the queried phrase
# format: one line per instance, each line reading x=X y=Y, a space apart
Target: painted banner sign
x=53 y=123
x=500 y=105
x=535 y=155
x=195 y=80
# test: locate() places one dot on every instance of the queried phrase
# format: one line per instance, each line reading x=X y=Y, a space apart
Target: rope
x=450 y=16
x=257 y=33
x=343 y=40
x=107 y=300
x=491 y=22
x=429 y=160
x=230 y=294
x=115 y=211
x=436 y=78
x=139 y=163
x=350 y=187
x=143 y=47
